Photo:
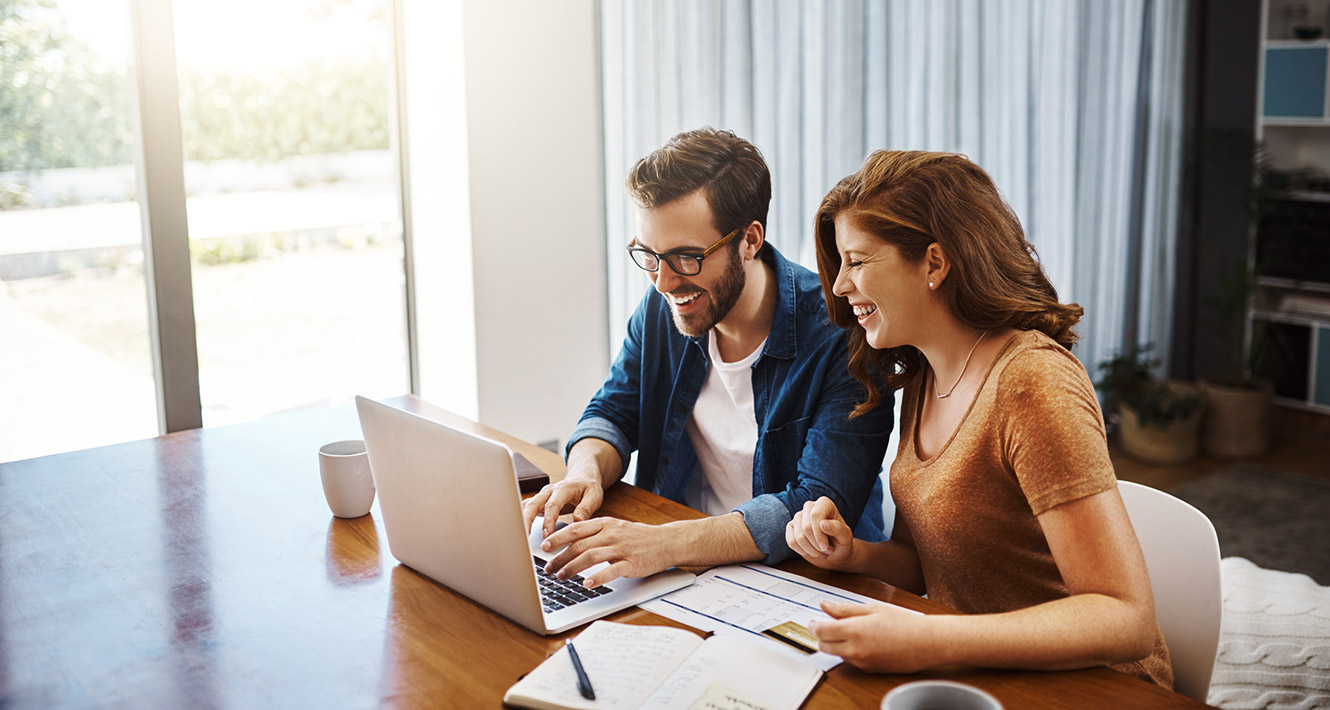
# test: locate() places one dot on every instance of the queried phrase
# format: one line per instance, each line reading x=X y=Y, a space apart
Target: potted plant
x=1238 y=405
x=1158 y=421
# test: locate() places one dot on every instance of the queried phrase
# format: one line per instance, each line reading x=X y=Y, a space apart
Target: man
x=739 y=409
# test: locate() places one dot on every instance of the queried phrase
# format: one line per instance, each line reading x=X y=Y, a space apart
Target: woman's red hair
x=912 y=199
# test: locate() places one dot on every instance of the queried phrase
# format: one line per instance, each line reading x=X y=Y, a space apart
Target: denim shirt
x=807 y=445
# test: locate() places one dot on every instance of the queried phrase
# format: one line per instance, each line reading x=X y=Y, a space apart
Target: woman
x=1007 y=506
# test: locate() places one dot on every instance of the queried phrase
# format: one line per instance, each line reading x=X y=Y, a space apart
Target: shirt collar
x=782 y=340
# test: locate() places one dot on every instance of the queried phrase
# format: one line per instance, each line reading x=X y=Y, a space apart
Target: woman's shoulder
x=1035 y=361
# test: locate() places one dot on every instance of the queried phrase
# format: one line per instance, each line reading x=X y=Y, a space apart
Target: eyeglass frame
x=632 y=248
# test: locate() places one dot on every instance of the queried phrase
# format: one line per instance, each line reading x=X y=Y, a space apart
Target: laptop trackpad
x=536 y=536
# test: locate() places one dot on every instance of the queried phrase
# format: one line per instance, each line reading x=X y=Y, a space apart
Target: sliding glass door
x=75 y=361
x=294 y=219
x=295 y=248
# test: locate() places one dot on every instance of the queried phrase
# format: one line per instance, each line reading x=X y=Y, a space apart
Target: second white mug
x=925 y=694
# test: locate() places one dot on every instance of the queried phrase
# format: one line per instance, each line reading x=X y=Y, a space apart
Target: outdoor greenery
x=62 y=107
x=1128 y=378
x=314 y=108
x=59 y=106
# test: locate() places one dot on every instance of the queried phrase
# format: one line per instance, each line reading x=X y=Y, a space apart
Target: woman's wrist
x=857 y=562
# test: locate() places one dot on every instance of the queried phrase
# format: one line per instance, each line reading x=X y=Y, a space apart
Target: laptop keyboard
x=558 y=593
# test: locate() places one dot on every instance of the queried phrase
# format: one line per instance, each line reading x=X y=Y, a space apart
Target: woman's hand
x=819 y=534
x=878 y=638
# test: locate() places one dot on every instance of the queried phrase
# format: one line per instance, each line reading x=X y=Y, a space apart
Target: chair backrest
x=1182 y=555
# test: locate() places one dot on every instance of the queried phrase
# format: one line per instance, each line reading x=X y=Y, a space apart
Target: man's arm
x=638 y=549
x=598 y=449
x=840 y=458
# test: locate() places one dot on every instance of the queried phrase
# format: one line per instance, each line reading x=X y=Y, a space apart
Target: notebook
x=452 y=512
x=664 y=668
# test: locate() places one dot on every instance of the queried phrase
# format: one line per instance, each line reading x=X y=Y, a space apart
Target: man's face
x=700 y=301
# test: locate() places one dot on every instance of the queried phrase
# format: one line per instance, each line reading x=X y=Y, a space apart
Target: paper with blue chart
x=746 y=600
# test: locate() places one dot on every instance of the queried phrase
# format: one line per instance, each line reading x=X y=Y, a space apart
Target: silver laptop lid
x=451 y=509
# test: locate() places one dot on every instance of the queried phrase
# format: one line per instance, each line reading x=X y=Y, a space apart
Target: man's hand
x=631 y=549
x=819 y=534
x=593 y=466
x=584 y=493
x=878 y=638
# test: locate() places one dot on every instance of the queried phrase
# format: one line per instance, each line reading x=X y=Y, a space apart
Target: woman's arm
x=819 y=534
x=1108 y=617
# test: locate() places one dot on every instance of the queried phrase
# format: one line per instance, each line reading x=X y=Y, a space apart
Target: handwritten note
x=663 y=668
x=718 y=697
x=625 y=662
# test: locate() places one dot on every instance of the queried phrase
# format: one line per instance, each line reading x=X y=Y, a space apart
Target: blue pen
x=583 y=682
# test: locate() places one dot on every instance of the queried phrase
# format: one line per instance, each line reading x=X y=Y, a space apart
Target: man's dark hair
x=731 y=170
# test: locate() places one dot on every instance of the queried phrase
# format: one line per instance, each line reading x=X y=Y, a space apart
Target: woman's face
x=889 y=295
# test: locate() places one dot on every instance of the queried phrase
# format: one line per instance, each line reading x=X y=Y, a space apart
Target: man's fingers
x=580 y=561
x=570 y=534
x=585 y=508
x=622 y=568
x=532 y=506
x=558 y=500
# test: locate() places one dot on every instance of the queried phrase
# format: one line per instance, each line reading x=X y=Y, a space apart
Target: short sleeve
x=1052 y=428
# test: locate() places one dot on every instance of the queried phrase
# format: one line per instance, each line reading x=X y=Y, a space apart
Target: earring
x=930 y=285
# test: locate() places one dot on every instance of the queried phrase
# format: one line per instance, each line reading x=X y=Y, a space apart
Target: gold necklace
x=958 y=377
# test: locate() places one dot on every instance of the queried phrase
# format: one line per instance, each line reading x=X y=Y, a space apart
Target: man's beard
x=722 y=298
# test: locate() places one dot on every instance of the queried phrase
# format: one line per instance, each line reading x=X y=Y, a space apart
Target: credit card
x=795 y=635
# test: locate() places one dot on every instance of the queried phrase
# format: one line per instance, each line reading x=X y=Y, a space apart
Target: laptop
x=452 y=511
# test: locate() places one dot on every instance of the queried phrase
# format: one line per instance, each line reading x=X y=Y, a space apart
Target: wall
x=1214 y=236
x=509 y=228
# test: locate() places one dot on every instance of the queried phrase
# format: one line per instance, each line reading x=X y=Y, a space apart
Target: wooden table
x=203 y=569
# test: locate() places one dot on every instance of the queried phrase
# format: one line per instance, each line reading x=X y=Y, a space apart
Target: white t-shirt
x=723 y=429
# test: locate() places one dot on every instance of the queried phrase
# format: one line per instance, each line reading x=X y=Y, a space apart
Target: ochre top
x=1032 y=439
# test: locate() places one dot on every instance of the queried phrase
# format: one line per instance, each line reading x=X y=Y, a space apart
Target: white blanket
x=1274 y=642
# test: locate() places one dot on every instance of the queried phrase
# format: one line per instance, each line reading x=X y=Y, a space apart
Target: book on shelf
x=632 y=666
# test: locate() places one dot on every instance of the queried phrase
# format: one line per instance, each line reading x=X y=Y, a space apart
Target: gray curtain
x=1073 y=106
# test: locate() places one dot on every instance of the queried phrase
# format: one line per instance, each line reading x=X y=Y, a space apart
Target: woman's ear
x=936 y=265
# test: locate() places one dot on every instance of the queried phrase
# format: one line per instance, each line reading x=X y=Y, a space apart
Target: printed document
x=748 y=600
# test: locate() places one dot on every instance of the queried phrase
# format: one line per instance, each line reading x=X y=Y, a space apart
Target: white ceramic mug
x=347 y=484
x=925 y=694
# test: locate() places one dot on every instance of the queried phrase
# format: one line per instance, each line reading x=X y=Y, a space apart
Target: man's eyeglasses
x=684 y=263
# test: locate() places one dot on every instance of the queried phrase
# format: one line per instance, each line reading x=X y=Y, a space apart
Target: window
x=74 y=349
x=294 y=220
x=295 y=250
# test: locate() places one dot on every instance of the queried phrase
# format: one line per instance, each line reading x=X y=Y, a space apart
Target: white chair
x=1182 y=556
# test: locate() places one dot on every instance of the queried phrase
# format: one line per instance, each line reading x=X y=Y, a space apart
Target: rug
x=1277 y=520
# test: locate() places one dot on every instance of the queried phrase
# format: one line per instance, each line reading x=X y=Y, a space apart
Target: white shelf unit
x=1289 y=327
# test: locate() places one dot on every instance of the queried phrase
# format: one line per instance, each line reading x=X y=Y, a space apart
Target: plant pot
x=1237 y=420
x=1177 y=442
